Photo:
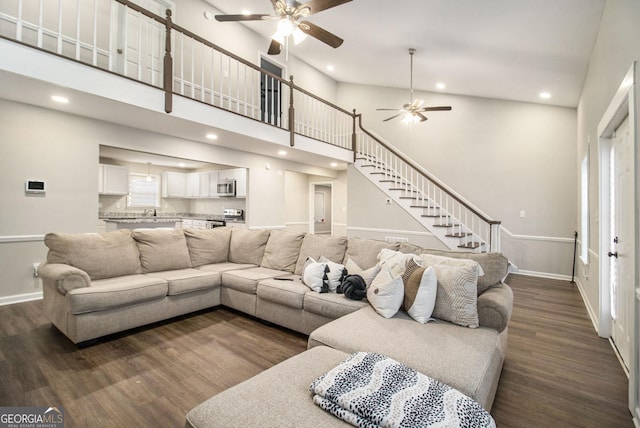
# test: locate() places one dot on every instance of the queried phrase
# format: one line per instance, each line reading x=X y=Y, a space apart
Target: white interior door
x=139 y=42
x=622 y=240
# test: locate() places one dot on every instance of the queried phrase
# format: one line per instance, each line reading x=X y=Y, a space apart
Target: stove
x=233 y=214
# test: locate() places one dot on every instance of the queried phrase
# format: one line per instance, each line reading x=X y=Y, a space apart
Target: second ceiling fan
x=413 y=111
x=291 y=14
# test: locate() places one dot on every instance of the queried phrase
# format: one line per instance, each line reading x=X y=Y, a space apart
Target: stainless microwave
x=227 y=188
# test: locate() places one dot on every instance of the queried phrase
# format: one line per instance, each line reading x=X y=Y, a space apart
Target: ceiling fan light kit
x=412 y=111
x=289 y=13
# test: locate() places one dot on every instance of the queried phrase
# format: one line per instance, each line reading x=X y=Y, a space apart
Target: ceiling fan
x=291 y=14
x=413 y=110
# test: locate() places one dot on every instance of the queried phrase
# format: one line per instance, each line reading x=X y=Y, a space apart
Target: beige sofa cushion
x=331 y=305
x=315 y=246
x=115 y=292
x=207 y=246
x=494 y=265
x=187 y=280
x=467 y=359
x=247 y=246
x=365 y=251
x=282 y=250
x=162 y=249
x=102 y=255
x=289 y=292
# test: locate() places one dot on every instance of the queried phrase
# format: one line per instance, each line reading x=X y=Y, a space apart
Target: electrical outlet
x=522 y=214
x=35 y=269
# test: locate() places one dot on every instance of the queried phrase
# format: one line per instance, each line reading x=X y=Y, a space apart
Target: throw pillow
x=282 y=249
x=395 y=261
x=247 y=246
x=314 y=276
x=457 y=297
x=162 y=249
x=386 y=294
x=336 y=273
x=207 y=246
x=368 y=275
x=332 y=247
x=420 y=290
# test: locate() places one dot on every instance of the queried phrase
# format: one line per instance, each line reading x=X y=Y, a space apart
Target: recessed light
x=208 y=15
x=334 y=164
x=212 y=137
x=440 y=86
x=331 y=67
x=282 y=152
x=60 y=99
x=246 y=12
x=182 y=164
x=545 y=95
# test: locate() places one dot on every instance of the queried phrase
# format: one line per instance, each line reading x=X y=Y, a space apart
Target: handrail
x=431 y=178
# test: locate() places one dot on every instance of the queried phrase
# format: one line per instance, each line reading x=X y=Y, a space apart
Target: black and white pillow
x=314 y=275
x=336 y=273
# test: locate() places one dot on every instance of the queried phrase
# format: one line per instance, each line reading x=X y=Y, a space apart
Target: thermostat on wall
x=35 y=186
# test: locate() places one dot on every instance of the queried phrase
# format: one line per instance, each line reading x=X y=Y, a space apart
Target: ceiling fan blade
x=387 y=109
x=392 y=117
x=439 y=108
x=320 y=34
x=233 y=18
x=421 y=116
x=316 y=6
x=274 y=48
x=417 y=103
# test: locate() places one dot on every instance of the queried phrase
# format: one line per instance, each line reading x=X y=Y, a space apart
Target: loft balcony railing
x=124 y=38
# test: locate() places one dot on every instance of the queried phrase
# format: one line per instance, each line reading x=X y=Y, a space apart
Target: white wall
x=617 y=46
x=503 y=156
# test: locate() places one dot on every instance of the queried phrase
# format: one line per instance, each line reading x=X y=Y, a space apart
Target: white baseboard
x=19 y=298
x=544 y=275
x=592 y=314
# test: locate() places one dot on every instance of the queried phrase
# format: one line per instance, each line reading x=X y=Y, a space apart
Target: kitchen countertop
x=143 y=220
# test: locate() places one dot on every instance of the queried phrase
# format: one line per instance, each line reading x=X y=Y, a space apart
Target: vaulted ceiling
x=506 y=49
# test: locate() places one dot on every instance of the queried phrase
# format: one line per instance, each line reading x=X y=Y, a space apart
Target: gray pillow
x=247 y=246
x=100 y=255
x=162 y=249
x=315 y=246
x=365 y=251
x=207 y=246
x=282 y=250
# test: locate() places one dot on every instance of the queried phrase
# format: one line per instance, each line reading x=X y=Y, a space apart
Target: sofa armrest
x=62 y=277
x=495 y=306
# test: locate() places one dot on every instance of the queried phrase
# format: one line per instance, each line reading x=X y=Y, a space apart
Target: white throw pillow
x=335 y=274
x=368 y=275
x=386 y=294
x=420 y=294
x=395 y=261
x=314 y=276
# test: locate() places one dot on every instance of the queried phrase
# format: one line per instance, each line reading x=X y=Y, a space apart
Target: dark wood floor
x=558 y=373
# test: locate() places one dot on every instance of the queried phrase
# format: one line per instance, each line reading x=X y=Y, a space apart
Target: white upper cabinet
x=174 y=184
x=113 y=180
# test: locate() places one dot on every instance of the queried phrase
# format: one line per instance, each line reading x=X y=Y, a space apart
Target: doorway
x=618 y=226
x=321 y=200
x=270 y=93
x=139 y=41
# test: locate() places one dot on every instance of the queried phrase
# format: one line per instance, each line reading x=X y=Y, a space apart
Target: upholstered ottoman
x=278 y=397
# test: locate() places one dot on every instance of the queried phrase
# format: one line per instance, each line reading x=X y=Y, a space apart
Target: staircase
x=450 y=218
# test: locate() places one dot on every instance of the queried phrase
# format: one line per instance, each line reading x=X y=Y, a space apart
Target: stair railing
x=427 y=192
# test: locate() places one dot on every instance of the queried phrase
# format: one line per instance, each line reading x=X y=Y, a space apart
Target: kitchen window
x=144 y=191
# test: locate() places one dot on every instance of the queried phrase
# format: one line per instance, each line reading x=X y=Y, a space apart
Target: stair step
x=425 y=207
x=408 y=197
x=458 y=235
x=430 y=215
x=471 y=245
x=446 y=225
x=403 y=189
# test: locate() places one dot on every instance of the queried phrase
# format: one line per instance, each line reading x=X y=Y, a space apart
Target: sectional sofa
x=98 y=284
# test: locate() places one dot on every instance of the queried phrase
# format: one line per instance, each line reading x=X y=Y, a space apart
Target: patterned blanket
x=370 y=390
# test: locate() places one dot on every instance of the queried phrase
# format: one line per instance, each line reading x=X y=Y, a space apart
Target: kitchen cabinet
x=237 y=174
x=113 y=180
x=199 y=185
x=192 y=223
x=174 y=184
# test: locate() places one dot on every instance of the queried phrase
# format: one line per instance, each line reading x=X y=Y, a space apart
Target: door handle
x=610 y=254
